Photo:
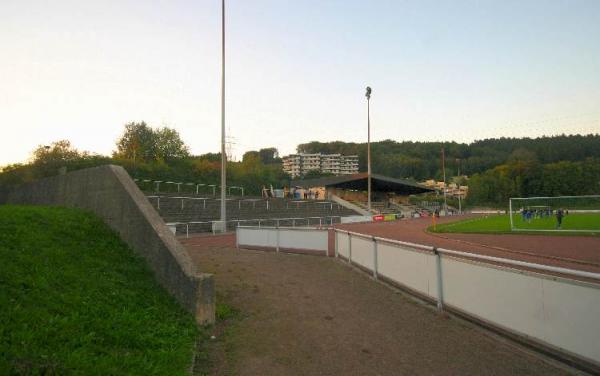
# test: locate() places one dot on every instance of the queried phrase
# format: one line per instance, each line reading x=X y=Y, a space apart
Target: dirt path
x=311 y=315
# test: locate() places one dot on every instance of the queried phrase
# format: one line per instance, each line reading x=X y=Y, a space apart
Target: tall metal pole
x=444 y=174
x=223 y=155
x=368 y=95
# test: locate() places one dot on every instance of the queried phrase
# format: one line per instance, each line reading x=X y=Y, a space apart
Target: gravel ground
x=311 y=315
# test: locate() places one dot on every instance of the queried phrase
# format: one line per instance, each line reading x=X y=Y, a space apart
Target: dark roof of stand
x=379 y=183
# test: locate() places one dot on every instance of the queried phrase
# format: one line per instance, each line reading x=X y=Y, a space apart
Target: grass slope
x=500 y=224
x=75 y=299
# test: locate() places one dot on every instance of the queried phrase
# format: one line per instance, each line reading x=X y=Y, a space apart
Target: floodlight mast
x=223 y=155
x=444 y=174
x=368 y=95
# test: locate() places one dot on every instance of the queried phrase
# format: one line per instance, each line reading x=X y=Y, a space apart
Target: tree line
x=422 y=160
x=497 y=168
x=529 y=178
x=152 y=153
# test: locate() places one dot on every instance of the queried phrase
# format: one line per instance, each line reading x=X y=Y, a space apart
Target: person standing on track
x=559 y=217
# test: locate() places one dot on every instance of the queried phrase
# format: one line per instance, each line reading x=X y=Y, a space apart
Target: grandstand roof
x=379 y=183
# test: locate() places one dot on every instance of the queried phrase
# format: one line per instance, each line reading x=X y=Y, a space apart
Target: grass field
x=74 y=299
x=498 y=224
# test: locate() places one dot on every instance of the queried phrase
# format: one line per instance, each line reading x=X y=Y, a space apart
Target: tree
x=252 y=154
x=56 y=153
x=269 y=156
x=137 y=143
x=140 y=142
x=168 y=144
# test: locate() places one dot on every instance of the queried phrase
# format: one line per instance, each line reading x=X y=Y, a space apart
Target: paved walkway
x=311 y=315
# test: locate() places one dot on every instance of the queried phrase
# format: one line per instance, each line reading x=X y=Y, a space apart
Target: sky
x=296 y=71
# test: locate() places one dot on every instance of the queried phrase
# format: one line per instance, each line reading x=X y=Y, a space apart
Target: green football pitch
x=573 y=224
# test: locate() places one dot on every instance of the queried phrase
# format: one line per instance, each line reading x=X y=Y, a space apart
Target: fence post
x=335 y=242
x=259 y=223
x=187 y=230
x=293 y=222
x=277 y=229
x=349 y=249
x=374 y=257
x=320 y=222
x=510 y=214
x=440 y=291
x=237 y=237
x=158 y=204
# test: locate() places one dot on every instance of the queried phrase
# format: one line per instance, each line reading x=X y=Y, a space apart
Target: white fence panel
x=356 y=219
x=571 y=313
x=510 y=299
x=409 y=267
x=342 y=240
x=303 y=239
x=257 y=237
x=362 y=252
x=307 y=239
x=562 y=313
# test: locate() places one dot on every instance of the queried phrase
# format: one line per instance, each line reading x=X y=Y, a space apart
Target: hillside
x=422 y=160
x=75 y=299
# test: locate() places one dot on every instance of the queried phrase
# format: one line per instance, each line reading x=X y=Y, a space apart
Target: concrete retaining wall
x=109 y=192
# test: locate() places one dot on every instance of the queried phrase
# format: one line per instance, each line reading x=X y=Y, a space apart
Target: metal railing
x=157 y=183
x=440 y=251
x=253 y=201
x=261 y=222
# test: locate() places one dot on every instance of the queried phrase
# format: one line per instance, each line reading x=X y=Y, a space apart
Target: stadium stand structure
x=198 y=213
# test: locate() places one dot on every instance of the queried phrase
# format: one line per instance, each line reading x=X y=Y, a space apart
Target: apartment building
x=337 y=164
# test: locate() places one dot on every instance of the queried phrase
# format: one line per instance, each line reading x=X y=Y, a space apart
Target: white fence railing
x=283 y=238
x=208 y=226
x=557 y=312
x=192 y=186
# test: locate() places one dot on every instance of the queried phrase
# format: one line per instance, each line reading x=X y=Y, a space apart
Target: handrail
x=239 y=199
x=299 y=228
x=256 y=219
x=556 y=269
x=238 y=221
x=392 y=241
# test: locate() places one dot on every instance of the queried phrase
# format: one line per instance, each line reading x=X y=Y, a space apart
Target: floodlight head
x=368 y=95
